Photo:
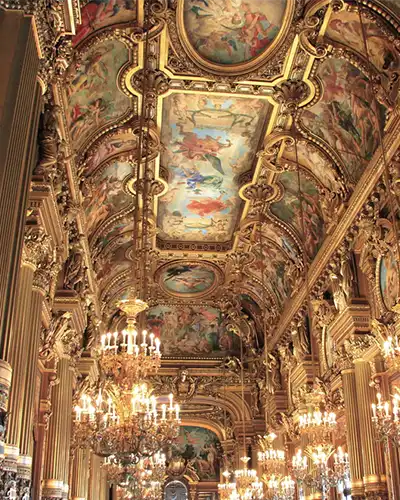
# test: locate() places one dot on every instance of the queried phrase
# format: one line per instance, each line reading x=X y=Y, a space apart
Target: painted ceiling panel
x=288 y=209
x=106 y=195
x=346 y=115
x=210 y=141
x=345 y=27
x=99 y=14
x=92 y=95
x=232 y=32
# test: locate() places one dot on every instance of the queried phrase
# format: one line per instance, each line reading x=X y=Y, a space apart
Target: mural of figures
x=201 y=450
x=187 y=279
x=115 y=260
x=345 y=28
x=232 y=31
x=389 y=280
x=98 y=14
x=91 y=92
x=107 y=196
x=111 y=146
x=209 y=142
x=346 y=115
x=318 y=163
x=288 y=209
x=191 y=331
x=274 y=265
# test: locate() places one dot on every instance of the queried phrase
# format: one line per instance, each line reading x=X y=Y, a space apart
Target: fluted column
x=20 y=98
x=16 y=352
x=104 y=487
x=373 y=470
x=57 y=453
x=80 y=475
x=96 y=489
x=353 y=433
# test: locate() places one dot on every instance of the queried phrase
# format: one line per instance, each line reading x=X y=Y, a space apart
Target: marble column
x=20 y=98
x=57 y=452
x=373 y=469
x=80 y=474
x=353 y=433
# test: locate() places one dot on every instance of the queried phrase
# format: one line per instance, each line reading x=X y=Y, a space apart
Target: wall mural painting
x=201 y=450
x=345 y=28
x=316 y=162
x=115 y=144
x=187 y=279
x=288 y=209
x=106 y=196
x=191 y=331
x=345 y=117
x=209 y=142
x=99 y=14
x=389 y=280
x=92 y=94
x=232 y=31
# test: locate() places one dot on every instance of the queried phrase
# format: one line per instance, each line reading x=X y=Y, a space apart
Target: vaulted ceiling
x=223 y=142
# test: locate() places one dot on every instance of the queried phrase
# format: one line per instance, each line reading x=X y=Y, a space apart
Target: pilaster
x=373 y=466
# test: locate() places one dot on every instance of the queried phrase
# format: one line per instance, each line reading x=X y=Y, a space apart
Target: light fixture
x=247 y=483
x=317 y=427
x=227 y=489
x=320 y=476
x=385 y=417
x=129 y=425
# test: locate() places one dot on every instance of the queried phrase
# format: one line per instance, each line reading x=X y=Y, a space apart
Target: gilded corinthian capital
x=36 y=246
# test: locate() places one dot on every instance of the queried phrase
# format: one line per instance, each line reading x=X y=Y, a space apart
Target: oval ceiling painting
x=183 y=279
x=232 y=35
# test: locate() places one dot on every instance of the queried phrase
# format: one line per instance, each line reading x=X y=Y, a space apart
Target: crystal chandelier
x=320 y=476
x=385 y=417
x=280 y=488
x=142 y=480
x=317 y=428
x=129 y=425
x=391 y=352
x=273 y=464
x=271 y=460
x=126 y=358
x=226 y=490
x=247 y=484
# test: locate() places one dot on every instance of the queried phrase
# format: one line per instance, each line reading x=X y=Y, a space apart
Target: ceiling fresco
x=232 y=31
x=99 y=14
x=345 y=28
x=106 y=194
x=346 y=115
x=209 y=142
x=92 y=95
x=186 y=279
x=288 y=209
x=221 y=64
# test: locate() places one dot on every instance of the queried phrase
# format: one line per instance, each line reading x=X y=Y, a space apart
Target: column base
x=52 y=489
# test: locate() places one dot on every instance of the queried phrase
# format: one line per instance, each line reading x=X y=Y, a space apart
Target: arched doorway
x=175 y=490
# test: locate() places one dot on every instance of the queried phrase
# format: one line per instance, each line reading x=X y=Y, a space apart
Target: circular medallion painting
x=232 y=33
x=389 y=280
x=187 y=279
